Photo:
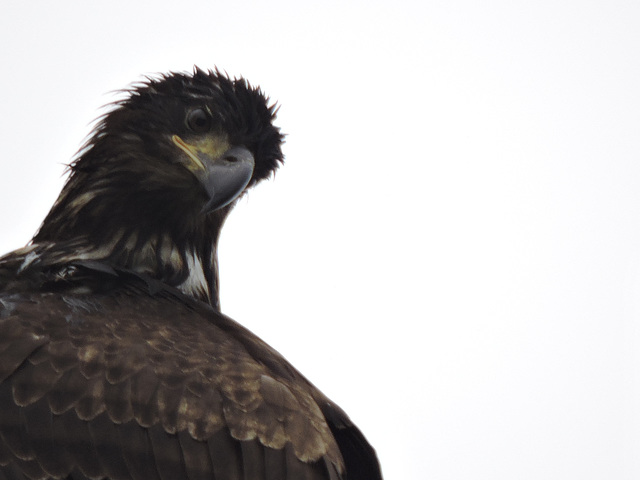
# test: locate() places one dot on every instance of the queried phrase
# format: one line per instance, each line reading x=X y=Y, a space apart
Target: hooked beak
x=224 y=173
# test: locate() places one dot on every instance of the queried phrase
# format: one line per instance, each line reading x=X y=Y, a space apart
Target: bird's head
x=162 y=169
x=178 y=146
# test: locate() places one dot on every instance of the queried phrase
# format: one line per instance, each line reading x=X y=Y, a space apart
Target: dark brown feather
x=91 y=401
x=137 y=451
x=68 y=390
x=118 y=401
x=51 y=455
x=300 y=470
x=197 y=460
x=105 y=439
x=30 y=469
x=12 y=426
x=253 y=464
x=11 y=471
x=75 y=436
x=144 y=388
x=168 y=455
x=275 y=464
x=226 y=456
x=30 y=384
x=16 y=346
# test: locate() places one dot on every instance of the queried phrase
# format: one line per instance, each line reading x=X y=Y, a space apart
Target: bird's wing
x=134 y=386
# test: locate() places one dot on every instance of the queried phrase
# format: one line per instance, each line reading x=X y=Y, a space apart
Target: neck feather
x=186 y=260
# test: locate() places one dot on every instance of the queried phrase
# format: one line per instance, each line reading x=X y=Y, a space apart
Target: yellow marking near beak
x=188 y=150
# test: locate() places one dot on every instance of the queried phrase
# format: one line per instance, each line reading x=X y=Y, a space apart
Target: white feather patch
x=28 y=260
x=196 y=282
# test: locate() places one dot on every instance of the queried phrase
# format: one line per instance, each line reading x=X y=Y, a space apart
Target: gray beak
x=226 y=177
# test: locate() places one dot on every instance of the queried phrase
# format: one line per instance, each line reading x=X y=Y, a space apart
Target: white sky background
x=452 y=249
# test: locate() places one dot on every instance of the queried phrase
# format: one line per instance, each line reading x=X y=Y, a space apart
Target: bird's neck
x=188 y=262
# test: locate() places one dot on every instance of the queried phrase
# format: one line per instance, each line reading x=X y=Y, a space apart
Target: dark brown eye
x=199 y=121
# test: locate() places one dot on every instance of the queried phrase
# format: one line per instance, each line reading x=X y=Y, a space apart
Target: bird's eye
x=199 y=121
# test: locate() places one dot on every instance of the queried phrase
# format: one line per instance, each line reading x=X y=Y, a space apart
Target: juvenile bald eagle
x=115 y=361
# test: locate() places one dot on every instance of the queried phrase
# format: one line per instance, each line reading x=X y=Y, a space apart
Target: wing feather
x=137 y=451
x=92 y=401
x=196 y=457
x=16 y=348
x=226 y=456
x=31 y=469
x=11 y=471
x=63 y=355
x=105 y=439
x=117 y=398
x=5 y=453
x=76 y=436
x=40 y=424
x=253 y=464
x=168 y=455
x=67 y=391
x=298 y=470
x=274 y=464
x=31 y=384
x=332 y=471
x=13 y=426
x=144 y=391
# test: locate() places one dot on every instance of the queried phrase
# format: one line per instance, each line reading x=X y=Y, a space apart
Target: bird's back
x=140 y=384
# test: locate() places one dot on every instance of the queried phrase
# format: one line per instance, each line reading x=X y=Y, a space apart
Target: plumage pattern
x=115 y=361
